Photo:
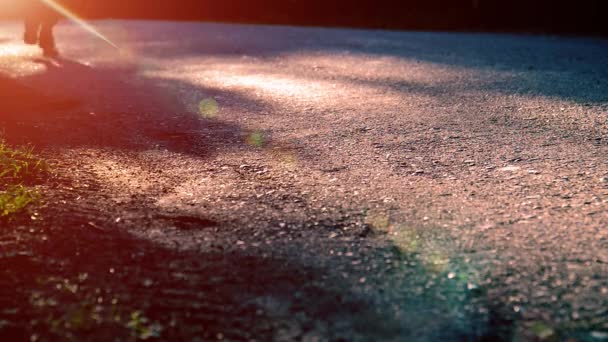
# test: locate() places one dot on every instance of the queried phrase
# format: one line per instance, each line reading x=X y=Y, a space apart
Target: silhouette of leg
x=46 y=40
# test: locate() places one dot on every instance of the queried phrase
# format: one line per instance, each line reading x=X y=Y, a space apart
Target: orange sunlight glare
x=76 y=19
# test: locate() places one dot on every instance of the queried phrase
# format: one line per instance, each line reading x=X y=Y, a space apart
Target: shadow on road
x=78 y=273
x=72 y=276
x=92 y=283
x=98 y=273
x=555 y=67
x=74 y=105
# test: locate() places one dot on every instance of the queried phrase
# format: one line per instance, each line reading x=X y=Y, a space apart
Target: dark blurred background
x=543 y=16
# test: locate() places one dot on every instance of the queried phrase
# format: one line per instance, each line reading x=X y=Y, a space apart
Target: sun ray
x=78 y=20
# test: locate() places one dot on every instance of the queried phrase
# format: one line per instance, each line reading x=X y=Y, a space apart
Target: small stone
x=533 y=172
x=510 y=168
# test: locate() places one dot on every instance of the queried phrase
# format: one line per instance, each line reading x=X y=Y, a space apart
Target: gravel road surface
x=262 y=183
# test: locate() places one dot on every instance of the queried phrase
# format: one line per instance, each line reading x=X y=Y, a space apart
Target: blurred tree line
x=554 y=16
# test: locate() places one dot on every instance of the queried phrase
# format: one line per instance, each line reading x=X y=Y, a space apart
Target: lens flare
x=256 y=139
x=208 y=108
x=76 y=19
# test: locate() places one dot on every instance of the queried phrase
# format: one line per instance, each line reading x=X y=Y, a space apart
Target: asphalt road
x=275 y=183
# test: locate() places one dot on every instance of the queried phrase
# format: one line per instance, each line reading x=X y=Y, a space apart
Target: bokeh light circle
x=208 y=108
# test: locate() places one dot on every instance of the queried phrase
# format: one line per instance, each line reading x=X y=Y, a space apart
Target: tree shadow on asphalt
x=533 y=65
x=207 y=287
x=555 y=67
x=90 y=283
x=73 y=277
x=72 y=272
x=78 y=275
x=73 y=105
x=541 y=67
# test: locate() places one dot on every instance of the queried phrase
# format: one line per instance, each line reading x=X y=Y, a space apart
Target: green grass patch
x=19 y=165
x=15 y=199
x=19 y=169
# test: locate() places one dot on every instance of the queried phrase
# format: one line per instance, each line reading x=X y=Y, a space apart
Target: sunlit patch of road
x=17 y=60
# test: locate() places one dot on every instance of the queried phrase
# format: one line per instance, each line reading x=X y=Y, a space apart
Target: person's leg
x=46 y=38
